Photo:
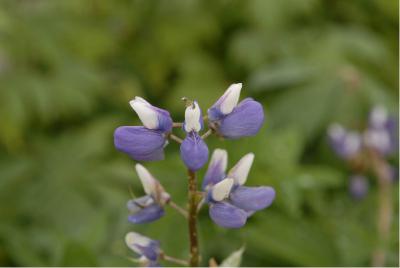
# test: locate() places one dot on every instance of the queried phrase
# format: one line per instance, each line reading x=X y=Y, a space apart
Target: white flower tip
x=146 y=112
x=353 y=141
x=132 y=239
x=148 y=182
x=336 y=131
x=376 y=139
x=220 y=156
x=193 y=118
x=379 y=116
x=241 y=170
x=231 y=98
x=221 y=190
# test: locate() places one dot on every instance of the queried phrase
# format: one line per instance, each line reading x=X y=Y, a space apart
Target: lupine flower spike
x=232 y=120
x=147 y=249
x=230 y=202
x=150 y=207
x=194 y=151
x=147 y=142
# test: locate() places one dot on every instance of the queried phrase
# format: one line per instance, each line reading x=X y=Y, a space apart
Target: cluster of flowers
x=230 y=203
x=380 y=139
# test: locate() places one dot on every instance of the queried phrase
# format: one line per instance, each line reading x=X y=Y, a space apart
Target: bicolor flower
x=147 y=142
x=345 y=144
x=194 y=151
x=234 y=120
x=150 y=207
x=381 y=134
x=358 y=186
x=230 y=202
x=147 y=249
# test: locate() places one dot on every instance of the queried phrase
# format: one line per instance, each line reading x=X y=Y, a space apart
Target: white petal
x=377 y=139
x=146 y=112
x=379 y=116
x=241 y=170
x=220 y=156
x=148 y=181
x=336 y=131
x=132 y=239
x=192 y=118
x=352 y=142
x=230 y=98
x=221 y=190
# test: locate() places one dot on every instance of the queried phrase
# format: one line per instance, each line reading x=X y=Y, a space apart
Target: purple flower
x=381 y=135
x=230 y=202
x=358 y=186
x=147 y=208
x=345 y=144
x=145 y=143
x=147 y=249
x=232 y=120
x=194 y=151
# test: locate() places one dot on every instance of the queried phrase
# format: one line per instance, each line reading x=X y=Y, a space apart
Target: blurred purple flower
x=147 y=249
x=147 y=208
x=194 y=151
x=145 y=143
x=358 y=186
x=230 y=202
x=345 y=144
x=382 y=132
x=232 y=120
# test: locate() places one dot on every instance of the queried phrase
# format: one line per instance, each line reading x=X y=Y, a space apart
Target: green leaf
x=234 y=259
x=76 y=254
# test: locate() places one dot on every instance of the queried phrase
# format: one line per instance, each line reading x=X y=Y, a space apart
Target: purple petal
x=194 y=151
x=215 y=114
x=252 y=198
x=150 y=251
x=137 y=204
x=358 y=186
x=379 y=140
x=164 y=120
x=345 y=144
x=148 y=214
x=153 y=264
x=245 y=120
x=216 y=168
x=140 y=143
x=227 y=215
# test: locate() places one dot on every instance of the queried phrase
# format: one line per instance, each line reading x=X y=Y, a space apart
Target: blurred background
x=69 y=68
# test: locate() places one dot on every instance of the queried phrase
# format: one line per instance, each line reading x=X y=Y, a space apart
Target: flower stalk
x=173 y=259
x=192 y=221
x=385 y=209
x=180 y=210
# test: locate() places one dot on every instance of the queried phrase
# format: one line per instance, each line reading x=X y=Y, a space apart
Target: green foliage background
x=68 y=69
